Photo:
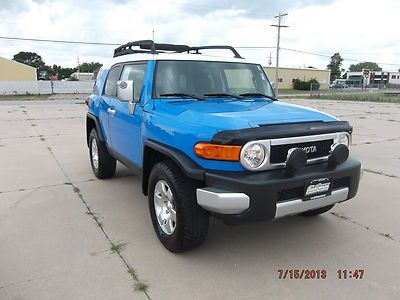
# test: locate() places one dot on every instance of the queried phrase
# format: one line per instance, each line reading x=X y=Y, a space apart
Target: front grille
x=298 y=192
x=279 y=152
x=293 y=193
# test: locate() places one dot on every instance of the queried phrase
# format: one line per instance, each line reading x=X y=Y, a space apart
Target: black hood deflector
x=274 y=131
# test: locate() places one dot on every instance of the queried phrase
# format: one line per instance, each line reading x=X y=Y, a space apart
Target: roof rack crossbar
x=155 y=48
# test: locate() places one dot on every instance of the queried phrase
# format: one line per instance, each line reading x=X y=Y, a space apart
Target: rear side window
x=111 y=83
x=136 y=73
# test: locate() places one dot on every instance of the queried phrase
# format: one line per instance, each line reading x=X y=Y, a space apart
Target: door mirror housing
x=126 y=92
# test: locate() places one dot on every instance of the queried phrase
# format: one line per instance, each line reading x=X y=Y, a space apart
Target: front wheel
x=179 y=222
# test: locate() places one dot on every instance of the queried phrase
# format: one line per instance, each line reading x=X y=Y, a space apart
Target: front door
x=125 y=128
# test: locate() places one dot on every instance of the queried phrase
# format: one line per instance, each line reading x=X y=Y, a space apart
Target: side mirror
x=125 y=92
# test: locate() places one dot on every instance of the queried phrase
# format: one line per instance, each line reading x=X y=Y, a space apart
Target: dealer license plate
x=317 y=188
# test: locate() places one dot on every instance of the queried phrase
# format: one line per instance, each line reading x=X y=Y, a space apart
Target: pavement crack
x=138 y=285
x=345 y=218
x=377 y=142
x=114 y=247
x=381 y=173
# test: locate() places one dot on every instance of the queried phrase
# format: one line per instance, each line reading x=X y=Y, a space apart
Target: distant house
x=83 y=76
x=15 y=71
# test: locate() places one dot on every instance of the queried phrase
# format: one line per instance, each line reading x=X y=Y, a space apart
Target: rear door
x=125 y=128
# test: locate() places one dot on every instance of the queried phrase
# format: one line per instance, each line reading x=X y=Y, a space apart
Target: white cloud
x=323 y=26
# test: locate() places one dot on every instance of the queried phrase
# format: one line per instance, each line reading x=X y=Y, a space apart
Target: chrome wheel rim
x=95 y=154
x=164 y=206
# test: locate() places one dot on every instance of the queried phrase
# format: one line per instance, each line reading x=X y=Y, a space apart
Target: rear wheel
x=179 y=222
x=103 y=164
x=316 y=212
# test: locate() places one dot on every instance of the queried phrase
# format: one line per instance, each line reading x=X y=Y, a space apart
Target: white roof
x=172 y=56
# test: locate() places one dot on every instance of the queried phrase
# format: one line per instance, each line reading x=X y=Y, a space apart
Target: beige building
x=286 y=76
x=12 y=70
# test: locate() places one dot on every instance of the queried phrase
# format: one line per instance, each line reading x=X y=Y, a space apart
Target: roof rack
x=148 y=46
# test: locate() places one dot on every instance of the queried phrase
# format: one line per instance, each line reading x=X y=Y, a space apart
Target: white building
x=83 y=76
x=375 y=77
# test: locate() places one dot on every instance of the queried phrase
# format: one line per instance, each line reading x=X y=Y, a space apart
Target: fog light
x=296 y=159
x=338 y=155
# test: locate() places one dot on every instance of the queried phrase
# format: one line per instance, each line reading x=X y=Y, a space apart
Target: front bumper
x=257 y=196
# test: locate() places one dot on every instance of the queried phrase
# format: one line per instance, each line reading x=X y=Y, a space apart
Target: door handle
x=111 y=111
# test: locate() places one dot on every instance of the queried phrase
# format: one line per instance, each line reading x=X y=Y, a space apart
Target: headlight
x=253 y=155
x=345 y=139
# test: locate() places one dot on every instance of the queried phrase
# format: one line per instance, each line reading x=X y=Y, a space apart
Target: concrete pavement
x=59 y=224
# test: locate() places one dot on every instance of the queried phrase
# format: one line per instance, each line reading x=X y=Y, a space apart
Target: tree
x=34 y=60
x=89 y=67
x=63 y=73
x=365 y=65
x=335 y=64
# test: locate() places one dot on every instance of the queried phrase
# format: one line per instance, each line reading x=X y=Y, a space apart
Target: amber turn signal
x=217 y=152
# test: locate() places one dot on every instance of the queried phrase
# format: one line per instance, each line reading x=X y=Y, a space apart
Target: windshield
x=200 y=78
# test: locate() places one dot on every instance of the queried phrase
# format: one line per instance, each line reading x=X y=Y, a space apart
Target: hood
x=237 y=114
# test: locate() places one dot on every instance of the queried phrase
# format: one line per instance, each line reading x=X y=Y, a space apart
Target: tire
x=104 y=165
x=316 y=212
x=188 y=229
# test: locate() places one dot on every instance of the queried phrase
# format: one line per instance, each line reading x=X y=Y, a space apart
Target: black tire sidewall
x=192 y=221
x=94 y=136
x=172 y=239
x=107 y=164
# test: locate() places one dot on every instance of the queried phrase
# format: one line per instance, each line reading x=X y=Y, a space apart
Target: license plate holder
x=317 y=188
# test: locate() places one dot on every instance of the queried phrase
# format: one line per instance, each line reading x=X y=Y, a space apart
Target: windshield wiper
x=258 y=95
x=182 y=95
x=223 y=95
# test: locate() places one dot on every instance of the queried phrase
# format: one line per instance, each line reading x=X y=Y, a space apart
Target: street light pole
x=279 y=26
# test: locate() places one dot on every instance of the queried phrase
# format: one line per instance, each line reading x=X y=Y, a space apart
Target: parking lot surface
x=66 y=235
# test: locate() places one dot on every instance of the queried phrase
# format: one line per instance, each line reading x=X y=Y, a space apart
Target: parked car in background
x=338 y=84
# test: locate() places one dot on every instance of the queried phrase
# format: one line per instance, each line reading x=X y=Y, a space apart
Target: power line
x=118 y=44
x=328 y=56
x=57 y=41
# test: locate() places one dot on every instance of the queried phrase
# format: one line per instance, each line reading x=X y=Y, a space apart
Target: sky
x=360 y=30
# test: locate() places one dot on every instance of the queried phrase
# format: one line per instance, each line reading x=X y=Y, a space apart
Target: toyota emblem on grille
x=310 y=149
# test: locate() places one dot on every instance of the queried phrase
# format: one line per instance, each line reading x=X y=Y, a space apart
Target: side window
x=136 y=73
x=111 y=83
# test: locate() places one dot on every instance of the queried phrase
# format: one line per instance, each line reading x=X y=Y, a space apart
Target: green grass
x=23 y=97
x=140 y=287
x=291 y=91
x=117 y=248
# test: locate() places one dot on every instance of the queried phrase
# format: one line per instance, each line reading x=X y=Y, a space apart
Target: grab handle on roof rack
x=237 y=55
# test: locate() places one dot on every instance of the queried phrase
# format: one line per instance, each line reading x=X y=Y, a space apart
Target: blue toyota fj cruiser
x=208 y=137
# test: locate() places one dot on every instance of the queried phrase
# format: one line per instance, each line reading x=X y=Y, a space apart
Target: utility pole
x=279 y=26
x=78 y=71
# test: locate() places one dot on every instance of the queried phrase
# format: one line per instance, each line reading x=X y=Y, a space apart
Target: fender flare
x=98 y=127
x=187 y=165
